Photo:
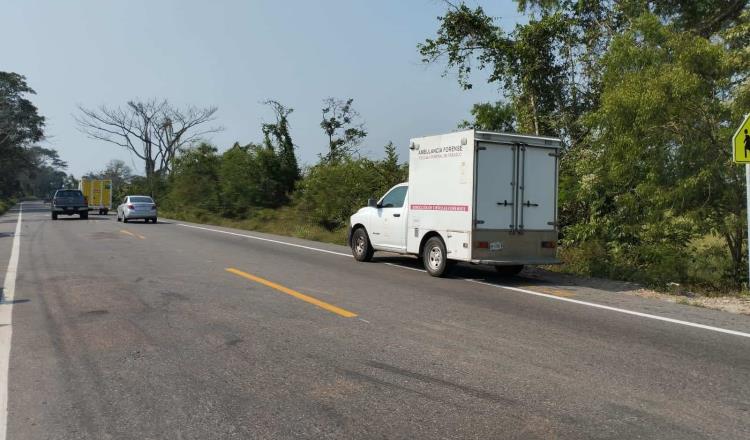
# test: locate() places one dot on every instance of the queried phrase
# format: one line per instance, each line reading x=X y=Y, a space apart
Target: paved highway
x=178 y=331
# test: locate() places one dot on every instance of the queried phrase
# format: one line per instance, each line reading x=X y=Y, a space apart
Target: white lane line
x=6 y=330
x=266 y=239
x=516 y=289
x=615 y=309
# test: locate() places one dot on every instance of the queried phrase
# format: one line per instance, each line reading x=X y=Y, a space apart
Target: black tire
x=509 y=271
x=154 y=220
x=118 y=217
x=361 y=246
x=435 y=257
x=124 y=219
x=84 y=215
x=54 y=216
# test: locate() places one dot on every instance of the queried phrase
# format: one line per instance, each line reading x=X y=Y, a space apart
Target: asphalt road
x=139 y=331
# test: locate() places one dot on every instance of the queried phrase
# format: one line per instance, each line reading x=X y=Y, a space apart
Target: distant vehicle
x=98 y=194
x=137 y=207
x=69 y=202
x=473 y=196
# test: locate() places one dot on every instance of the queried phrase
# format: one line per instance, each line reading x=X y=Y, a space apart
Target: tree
x=277 y=138
x=340 y=124
x=117 y=171
x=499 y=116
x=20 y=127
x=194 y=183
x=644 y=95
x=154 y=131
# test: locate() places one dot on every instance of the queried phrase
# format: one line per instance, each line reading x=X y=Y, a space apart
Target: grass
x=286 y=221
x=5 y=205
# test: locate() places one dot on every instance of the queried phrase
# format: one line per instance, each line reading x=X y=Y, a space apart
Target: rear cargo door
x=96 y=193
x=495 y=181
x=537 y=188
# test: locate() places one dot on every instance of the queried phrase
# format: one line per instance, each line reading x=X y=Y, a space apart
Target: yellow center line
x=309 y=299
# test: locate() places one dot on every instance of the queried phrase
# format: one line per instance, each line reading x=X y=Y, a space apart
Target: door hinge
x=481 y=148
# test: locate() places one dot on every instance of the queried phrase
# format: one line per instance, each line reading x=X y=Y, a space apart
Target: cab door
x=389 y=226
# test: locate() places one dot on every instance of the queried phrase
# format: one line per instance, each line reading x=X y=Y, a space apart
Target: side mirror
x=372 y=203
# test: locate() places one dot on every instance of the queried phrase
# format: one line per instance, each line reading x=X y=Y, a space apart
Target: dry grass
x=285 y=221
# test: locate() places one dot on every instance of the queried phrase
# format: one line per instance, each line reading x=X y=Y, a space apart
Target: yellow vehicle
x=98 y=194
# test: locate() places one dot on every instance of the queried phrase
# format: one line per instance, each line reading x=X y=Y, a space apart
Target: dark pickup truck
x=69 y=202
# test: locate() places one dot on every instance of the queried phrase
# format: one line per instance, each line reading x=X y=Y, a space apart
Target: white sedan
x=137 y=207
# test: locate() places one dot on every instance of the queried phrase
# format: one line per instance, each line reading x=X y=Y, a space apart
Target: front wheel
x=84 y=215
x=124 y=219
x=54 y=216
x=435 y=257
x=509 y=270
x=361 y=246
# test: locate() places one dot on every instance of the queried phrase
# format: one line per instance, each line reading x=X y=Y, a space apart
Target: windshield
x=141 y=199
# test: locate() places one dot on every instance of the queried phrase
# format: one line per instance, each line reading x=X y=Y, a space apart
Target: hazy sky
x=235 y=54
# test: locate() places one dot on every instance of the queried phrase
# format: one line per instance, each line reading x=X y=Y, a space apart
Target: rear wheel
x=509 y=270
x=54 y=216
x=124 y=219
x=154 y=220
x=84 y=215
x=361 y=246
x=434 y=257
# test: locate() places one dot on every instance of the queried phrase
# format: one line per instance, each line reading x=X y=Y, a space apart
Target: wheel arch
x=426 y=237
x=354 y=228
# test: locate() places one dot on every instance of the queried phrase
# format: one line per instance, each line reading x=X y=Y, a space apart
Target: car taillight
x=483 y=244
x=549 y=244
x=131 y=207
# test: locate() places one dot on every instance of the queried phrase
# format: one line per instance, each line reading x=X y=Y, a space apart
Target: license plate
x=496 y=246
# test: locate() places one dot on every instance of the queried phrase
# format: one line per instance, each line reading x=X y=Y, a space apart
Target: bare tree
x=153 y=130
x=342 y=126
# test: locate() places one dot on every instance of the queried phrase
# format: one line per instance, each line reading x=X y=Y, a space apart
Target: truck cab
x=385 y=220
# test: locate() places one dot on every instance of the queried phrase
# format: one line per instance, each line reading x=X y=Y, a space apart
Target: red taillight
x=131 y=207
x=549 y=244
x=483 y=244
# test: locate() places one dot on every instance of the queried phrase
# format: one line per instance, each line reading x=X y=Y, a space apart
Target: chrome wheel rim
x=435 y=258
x=360 y=245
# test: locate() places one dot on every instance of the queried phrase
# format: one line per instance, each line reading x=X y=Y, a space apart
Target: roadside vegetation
x=26 y=168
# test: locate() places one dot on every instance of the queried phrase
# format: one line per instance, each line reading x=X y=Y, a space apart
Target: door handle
x=528 y=203
x=505 y=203
x=397 y=215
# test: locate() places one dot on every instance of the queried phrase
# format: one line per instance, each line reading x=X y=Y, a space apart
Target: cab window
x=395 y=198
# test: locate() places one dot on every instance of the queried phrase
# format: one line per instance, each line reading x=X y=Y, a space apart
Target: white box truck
x=473 y=196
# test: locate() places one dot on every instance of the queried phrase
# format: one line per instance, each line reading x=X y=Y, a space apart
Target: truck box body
x=491 y=196
x=98 y=193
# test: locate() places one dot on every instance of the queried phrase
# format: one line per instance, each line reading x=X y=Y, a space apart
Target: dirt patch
x=730 y=304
